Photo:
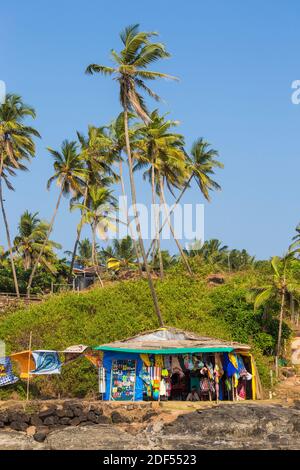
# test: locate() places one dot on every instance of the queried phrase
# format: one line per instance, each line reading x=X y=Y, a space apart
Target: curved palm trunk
x=184 y=258
x=157 y=238
x=280 y=330
x=94 y=253
x=137 y=222
x=37 y=261
x=13 y=268
x=79 y=228
x=127 y=219
x=170 y=213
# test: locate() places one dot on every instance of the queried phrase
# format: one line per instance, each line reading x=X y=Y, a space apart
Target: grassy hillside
x=124 y=309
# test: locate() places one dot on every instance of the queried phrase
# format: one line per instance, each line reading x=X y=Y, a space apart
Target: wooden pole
x=28 y=368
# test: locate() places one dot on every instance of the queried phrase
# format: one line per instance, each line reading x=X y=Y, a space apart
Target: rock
x=35 y=421
x=47 y=412
x=31 y=430
x=91 y=416
x=40 y=436
x=69 y=413
x=61 y=413
x=117 y=418
x=13 y=440
x=75 y=421
x=18 y=425
x=4 y=417
x=93 y=438
x=77 y=411
x=148 y=415
x=65 y=421
x=50 y=421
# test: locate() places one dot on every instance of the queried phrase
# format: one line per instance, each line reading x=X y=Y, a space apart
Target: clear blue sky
x=236 y=62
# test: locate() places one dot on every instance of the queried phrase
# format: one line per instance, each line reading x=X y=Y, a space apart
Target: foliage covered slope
x=124 y=309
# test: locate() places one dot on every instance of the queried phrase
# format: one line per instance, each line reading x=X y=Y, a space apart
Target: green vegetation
x=123 y=309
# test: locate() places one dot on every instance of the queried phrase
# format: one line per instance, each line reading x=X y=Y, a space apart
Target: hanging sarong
x=46 y=362
x=25 y=362
x=6 y=374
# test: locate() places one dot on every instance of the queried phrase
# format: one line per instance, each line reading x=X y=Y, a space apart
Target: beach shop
x=171 y=364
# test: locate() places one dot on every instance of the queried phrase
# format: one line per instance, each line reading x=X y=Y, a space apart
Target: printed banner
x=46 y=362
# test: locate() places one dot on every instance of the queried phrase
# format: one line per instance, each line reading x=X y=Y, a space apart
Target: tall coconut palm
x=281 y=287
x=97 y=158
x=117 y=136
x=99 y=214
x=31 y=235
x=201 y=165
x=130 y=70
x=69 y=176
x=162 y=150
x=16 y=145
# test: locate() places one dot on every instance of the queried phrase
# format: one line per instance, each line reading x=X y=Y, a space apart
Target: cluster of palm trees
x=87 y=168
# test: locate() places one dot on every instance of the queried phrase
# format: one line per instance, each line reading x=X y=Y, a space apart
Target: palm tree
x=121 y=255
x=201 y=164
x=95 y=152
x=98 y=213
x=85 y=252
x=31 y=235
x=69 y=176
x=162 y=150
x=16 y=145
x=117 y=136
x=130 y=71
x=281 y=287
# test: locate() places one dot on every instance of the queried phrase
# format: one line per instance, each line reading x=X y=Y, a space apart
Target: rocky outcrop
x=225 y=426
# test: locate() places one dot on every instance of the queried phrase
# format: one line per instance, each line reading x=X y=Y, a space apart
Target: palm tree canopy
x=32 y=233
x=99 y=210
x=16 y=138
x=70 y=172
x=201 y=164
x=130 y=68
x=159 y=146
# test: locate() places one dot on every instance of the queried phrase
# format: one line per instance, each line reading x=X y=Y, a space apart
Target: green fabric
x=164 y=351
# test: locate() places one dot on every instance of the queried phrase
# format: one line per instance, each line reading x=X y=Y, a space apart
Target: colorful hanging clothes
x=242 y=371
x=167 y=363
x=159 y=361
x=145 y=359
x=197 y=362
x=176 y=368
x=233 y=359
x=188 y=361
x=46 y=362
x=228 y=366
x=22 y=359
x=6 y=374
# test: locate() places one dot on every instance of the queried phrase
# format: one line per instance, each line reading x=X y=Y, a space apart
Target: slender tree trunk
x=127 y=219
x=79 y=228
x=280 y=330
x=170 y=213
x=184 y=258
x=137 y=222
x=45 y=242
x=13 y=268
x=94 y=254
x=161 y=266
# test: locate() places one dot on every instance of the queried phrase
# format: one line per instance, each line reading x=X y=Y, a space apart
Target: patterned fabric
x=22 y=358
x=46 y=362
x=145 y=359
x=6 y=374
